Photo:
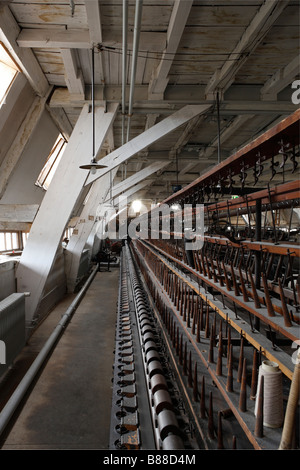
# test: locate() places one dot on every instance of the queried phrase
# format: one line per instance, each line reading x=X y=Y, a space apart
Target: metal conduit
x=10 y=407
x=124 y=65
x=136 y=39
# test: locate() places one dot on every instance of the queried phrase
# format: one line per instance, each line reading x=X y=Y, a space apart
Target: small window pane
x=15 y=241
x=8 y=71
x=2 y=242
x=24 y=238
x=8 y=241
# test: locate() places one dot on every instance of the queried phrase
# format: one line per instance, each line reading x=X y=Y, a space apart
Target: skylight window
x=8 y=72
x=51 y=164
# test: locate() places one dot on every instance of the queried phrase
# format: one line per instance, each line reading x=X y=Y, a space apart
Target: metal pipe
x=257 y=253
x=15 y=399
x=124 y=65
x=219 y=129
x=93 y=101
x=136 y=39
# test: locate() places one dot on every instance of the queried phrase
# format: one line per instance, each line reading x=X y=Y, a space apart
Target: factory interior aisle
x=70 y=405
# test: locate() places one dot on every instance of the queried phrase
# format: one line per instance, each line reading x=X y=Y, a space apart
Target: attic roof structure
x=179 y=102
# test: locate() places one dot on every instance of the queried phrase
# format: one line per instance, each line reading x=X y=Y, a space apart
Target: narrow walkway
x=70 y=406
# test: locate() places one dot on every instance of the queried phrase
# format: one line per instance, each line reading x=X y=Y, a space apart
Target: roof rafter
x=180 y=13
x=280 y=80
x=252 y=37
x=9 y=32
x=136 y=178
x=73 y=74
x=147 y=138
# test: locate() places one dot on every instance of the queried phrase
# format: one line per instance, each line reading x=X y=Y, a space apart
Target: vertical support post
x=257 y=253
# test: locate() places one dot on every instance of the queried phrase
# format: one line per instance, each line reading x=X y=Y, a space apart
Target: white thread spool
x=273 y=397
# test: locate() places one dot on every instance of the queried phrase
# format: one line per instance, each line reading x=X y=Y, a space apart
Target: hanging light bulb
x=93 y=166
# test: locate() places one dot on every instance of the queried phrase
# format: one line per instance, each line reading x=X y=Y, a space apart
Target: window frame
x=9 y=246
x=15 y=67
x=45 y=172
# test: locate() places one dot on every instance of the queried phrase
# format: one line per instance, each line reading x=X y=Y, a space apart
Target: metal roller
x=152 y=356
x=167 y=423
x=162 y=401
x=172 y=442
x=154 y=367
x=158 y=382
x=145 y=323
x=149 y=346
x=149 y=336
x=146 y=329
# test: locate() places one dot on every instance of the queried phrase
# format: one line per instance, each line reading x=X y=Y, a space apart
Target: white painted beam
x=252 y=37
x=73 y=74
x=180 y=14
x=61 y=120
x=184 y=136
x=94 y=20
x=148 y=137
x=280 y=80
x=18 y=212
x=150 y=121
x=80 y=39
x=15 y=226
x=122 y=200
x=136 y=178
x=95 y=28
x=62 y=98
x=57 y=205
x=9 y=31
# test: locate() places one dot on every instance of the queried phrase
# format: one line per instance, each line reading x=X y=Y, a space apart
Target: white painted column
x=56 y=208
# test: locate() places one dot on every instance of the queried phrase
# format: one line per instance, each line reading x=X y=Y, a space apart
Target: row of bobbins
x=166 y=421
x=127 y=414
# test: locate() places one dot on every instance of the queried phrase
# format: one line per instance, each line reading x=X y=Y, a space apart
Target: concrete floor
x=70 y=405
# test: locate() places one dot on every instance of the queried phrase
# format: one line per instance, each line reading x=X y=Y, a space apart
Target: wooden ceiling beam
x=147 y=138
x=94 y=20
x=123 y=199
x=80 y=39
x=180 y=14
x=280 y=80
x=136 y=178
x=26 y=60
x=113 y=93
x=73 y=74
